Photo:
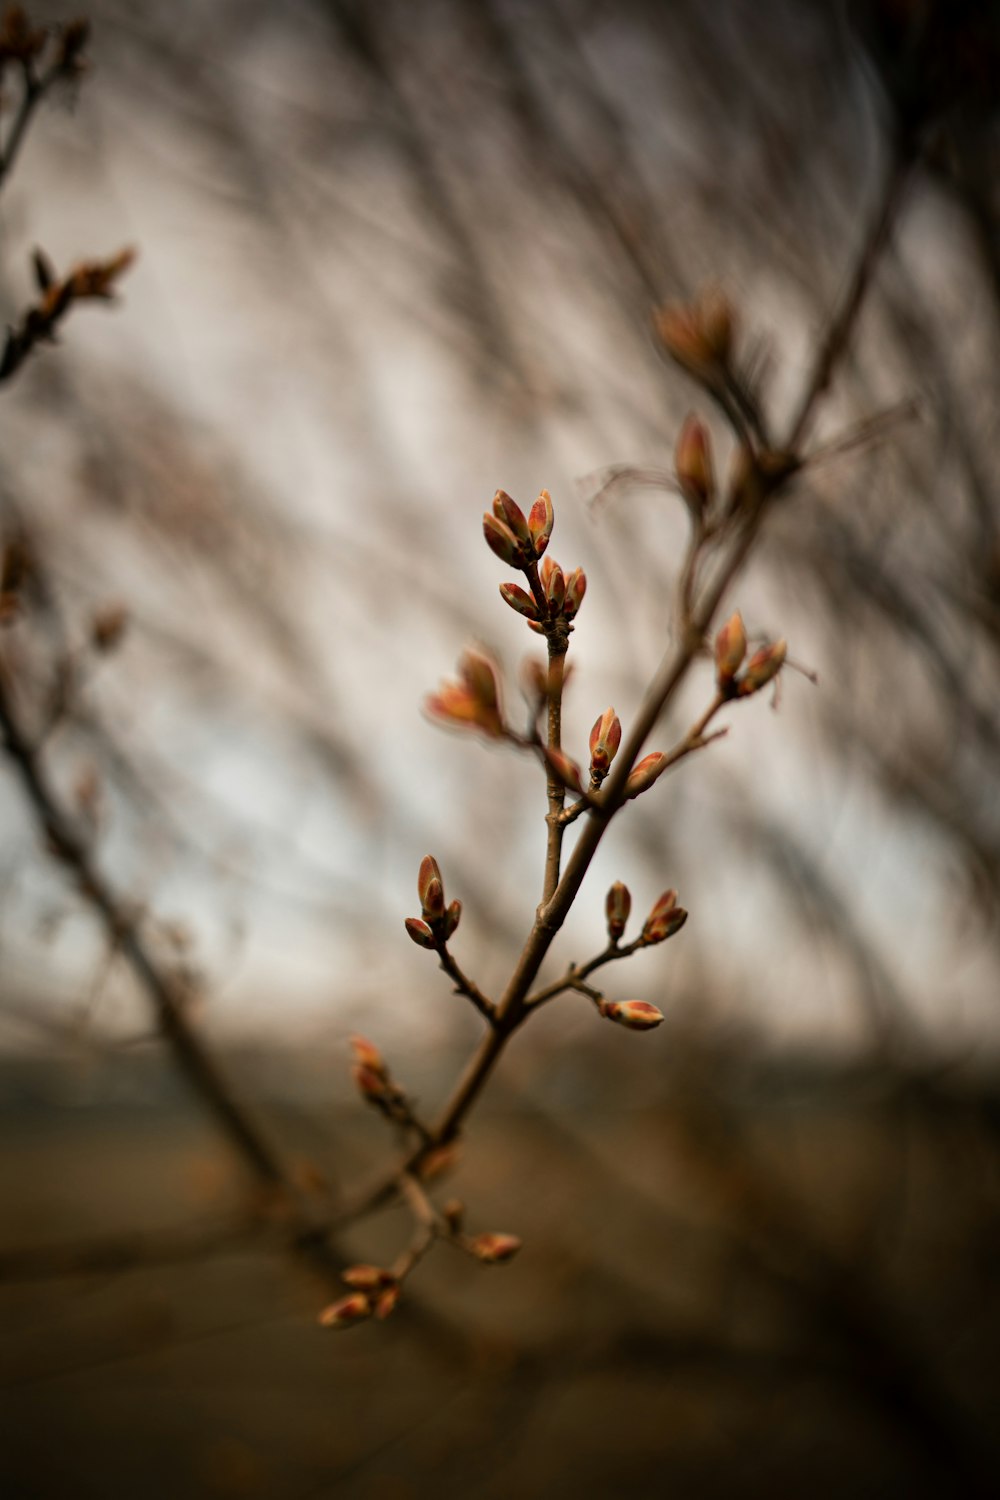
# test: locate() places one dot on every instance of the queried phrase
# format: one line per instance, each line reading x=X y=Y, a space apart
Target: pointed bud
x=617 y=906
x=520 y=600
x=762 y=667
x=730 y=649
x=429 y=870
x=420 y=933
x=576 y=587
x=664 y=920
x=698 y=335
x=386 y=1301
x=479 y=675
x=492 y=1247
x=553 y=582
x=540 y=519
x=636 y=1015
x=605 y=737
x=373 y=1086
x=364 y=1278
x=367 y=1055
x=510 y=513
x=346 y=1312
x=433 y=902
x=452 y=917
x=693 y=459
x=642 y=776
x=564 y=769
x=501 y=540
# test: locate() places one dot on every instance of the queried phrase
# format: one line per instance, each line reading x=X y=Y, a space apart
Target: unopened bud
x=664 y=920
x=474 y=701
x=605 y=737
x=576 y=587
x=636 y=1015
x=553 y=581
x=433 y=902
x=386 y=1301
x=364 y=1278
x=617 y=906
x=501 y=540
x=762 y=667
x=492 y=1247
x=564 y=769
x=730 y=649
x=452 y=917
x=420 y=932
x=367 y=1055
x=642 y=776
x=373 y=1086
x=520 y=600
x=540 y=519
x=693 y=459
x=346 y=1312
x=510 y=513
x=428 y=872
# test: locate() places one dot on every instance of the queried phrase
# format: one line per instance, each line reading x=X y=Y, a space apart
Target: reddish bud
x=540 y=519
x=364 y=1278
x=429 y=870
x=730 y=649
x=346 y=1312
x=642 y=776
x=665 y=919
x=372 y=1085
x=492 y=1247
x=433 y=902
x=479 y=675
x=420 y=932
x=501 y=540
x=693 y=459
x=520 y=600
x=386 y=1301
x=762 y=667
x=511 y=515
x=452 y=918
x=636 y=1015
x=605 y=737
x=367 y=1055
x=697 y=335
x=617 y=906
x=553 y=581
x=474 y=701
x=576 y=587
x=564 y=769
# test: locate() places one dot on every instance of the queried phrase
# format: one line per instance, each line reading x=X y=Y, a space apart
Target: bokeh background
x=392 y=257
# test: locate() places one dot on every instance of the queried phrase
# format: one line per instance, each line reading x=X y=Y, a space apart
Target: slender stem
x=558 y=645
x=32 y=92
x=464 y=985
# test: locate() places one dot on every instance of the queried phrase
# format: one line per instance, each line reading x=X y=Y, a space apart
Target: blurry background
x=392 y=257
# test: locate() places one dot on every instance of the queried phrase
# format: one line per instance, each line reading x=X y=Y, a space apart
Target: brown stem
x=558 y=646
x=465 y=986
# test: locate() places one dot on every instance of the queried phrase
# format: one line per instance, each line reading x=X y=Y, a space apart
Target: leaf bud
x=553 y=581
x=664 y=920
x=576 y=587
x=520 y=600
x=429 y=870
x=605 y=737
x=501 y=540
x=762 y=667
x=452 y=918
x=420 y=932
x=617 y=907
x=346 y=1312
x=511 y=515
x=540 y=520
x=693 y=460
x=365 y=1278
x=730 y=649
x=642 y=776
x=635 y=1015
x=493 y=1247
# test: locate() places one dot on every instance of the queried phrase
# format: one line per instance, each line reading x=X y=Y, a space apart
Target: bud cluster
x=376 y=1292
x=474 y=700
x=371 y=1075
x=554 y=596
x=515 y=539
x=437 y=922
x=664 y=920
x=730 y=652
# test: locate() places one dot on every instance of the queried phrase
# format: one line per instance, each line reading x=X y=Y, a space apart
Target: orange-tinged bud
x=605 y=737
x=452 y=917
x=372 y=1085
x=665 y=919
x=636 y=1015
x=501 y=540
x=510 y=513
x=576 y=587
x=617 y=906
x=429 y=870
x=553 y=581
x=433 y=902
x=420 y=932
x=698 y=335
x=367 y=1055
x=540 y=519
x=478 y=673
x=730 y=649
x=346 y=1312
x=762 y=667
x=364 y=1278
x=564 y=769
x=642 y=776
x=386 y=1301
x=693 y=459
x=493 y=1247
x=519 y=599
x=474 y=701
